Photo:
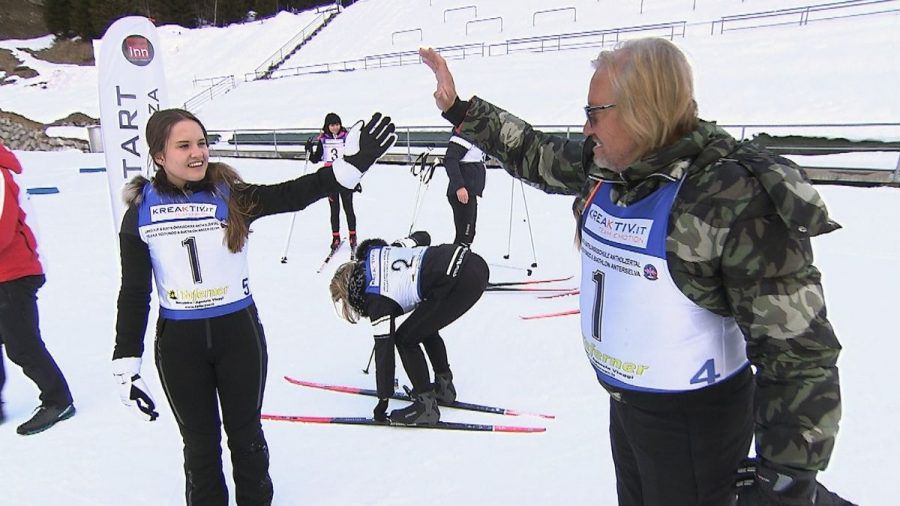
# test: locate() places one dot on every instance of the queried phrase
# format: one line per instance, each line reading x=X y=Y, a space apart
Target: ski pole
x=526 y=270
x=530 y=233
x=366 y=370
x=512 y=189
x=287 y=243
x=424 y=174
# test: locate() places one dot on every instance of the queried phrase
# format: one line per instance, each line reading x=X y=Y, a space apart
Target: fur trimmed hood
x=133 y=192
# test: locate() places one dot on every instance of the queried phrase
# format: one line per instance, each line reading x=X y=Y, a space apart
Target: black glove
x=763 y=483
x=417 y=238
x=308 y=145
x=364 y=144
x=380 y=411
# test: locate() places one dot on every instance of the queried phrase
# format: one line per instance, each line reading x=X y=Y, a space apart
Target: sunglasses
x=589 y=111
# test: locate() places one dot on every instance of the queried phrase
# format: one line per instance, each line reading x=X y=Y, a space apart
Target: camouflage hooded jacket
x=738 y=245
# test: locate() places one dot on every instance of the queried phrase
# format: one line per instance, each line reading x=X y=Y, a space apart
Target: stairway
x=273 y=67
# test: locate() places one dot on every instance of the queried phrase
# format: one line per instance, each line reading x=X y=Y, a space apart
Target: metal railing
x=596 y=38
x=220 y=87
x=413 y=140
x=278 y=56
x=463 y=8
x=476 y=21
x=412 y=30
x=799 y=16
x=547 y=11
x=557 y=42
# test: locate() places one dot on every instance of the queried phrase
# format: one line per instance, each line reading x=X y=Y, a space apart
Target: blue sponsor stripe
x=211 y=312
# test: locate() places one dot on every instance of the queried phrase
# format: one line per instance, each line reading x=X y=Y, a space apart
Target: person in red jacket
x=21 y=275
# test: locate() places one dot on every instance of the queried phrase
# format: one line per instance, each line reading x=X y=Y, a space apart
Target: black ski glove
x=417 y=238
x=363 y=145
x=308 y=145
x=763 y=483
x=380 y=411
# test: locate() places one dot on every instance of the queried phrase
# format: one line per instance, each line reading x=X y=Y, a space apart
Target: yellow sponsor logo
x=604 y=361
x=195 y=294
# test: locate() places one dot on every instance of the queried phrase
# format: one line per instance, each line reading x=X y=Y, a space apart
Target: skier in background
x=464 y=163
x=329 y=146
x=434 y=284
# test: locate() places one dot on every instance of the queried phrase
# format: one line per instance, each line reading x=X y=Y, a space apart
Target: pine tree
x=106 y=12
x=80 y=20
x=57 y=14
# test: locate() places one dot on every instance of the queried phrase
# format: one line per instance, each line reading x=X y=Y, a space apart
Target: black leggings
x=432 y=315
x=682 y=452
x=206 y=363
x=346 y=198
x=464 y=217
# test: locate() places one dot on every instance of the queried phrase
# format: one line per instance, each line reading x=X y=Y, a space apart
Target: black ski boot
x=444 y=389
x=423 y=411
x=45 y=416
x=335 y=241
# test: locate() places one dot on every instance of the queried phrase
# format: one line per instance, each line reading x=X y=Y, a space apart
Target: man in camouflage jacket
x=737 y=245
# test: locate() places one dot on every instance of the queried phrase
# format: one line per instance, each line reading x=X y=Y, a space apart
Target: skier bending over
x=438 y=284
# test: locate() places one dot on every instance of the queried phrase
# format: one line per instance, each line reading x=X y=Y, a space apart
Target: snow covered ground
x=829 y=72
x=104 y=456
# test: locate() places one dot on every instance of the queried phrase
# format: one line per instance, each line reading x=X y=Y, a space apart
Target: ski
x=402 y=396
x=550 y=315
x=523 y=289
x=330 y=256
x=574 y=291
x=353 y=420
x=528 y=282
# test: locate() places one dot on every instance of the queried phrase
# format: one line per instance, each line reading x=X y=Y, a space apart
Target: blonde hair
x=340 y=292
x=654 y=91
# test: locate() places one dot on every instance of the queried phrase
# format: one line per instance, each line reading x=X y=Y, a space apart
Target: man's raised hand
x=445 y=94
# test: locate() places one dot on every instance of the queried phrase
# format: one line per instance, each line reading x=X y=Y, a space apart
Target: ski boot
x=444 y=389
x=423 y=411
x=335 y=240
x=353 y=245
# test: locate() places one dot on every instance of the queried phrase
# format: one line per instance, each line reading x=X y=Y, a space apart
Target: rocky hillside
x=23 y=19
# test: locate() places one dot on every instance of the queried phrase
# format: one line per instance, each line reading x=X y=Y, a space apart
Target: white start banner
x=132 y=87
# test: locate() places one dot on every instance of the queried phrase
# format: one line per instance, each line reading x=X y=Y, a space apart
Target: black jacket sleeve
x=289 y=196
x=134 y=294
x=381 y=312
x=454 y=154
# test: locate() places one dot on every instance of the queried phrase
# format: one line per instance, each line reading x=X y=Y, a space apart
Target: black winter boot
x=423 y=411
x=444 y=389
x=45 y=416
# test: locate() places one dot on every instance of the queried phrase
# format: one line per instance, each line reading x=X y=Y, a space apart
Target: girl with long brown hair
x=188 y=227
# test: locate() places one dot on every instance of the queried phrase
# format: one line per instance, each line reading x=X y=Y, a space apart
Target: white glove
x=132 y=389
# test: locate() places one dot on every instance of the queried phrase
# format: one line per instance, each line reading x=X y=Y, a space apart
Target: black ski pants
x=684 y=449
x=434 y=314
x=206 y=363
x=464 y=216
x=344 y=197
x=20 y=333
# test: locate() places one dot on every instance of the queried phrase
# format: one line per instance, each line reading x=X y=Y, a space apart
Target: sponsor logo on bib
x=633 y=232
